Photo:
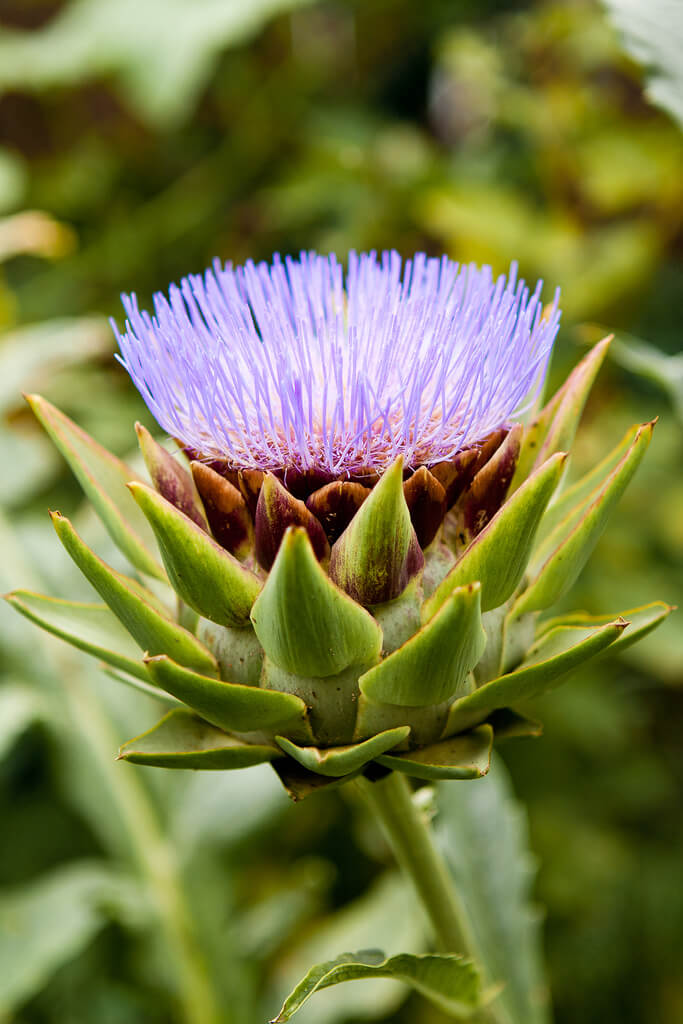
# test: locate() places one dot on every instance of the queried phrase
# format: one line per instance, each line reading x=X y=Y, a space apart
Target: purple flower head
x=298 y=365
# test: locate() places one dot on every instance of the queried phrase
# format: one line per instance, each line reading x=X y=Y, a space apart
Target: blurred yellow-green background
x=138 y=141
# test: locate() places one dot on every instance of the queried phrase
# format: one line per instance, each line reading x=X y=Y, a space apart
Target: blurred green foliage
x=139 y=141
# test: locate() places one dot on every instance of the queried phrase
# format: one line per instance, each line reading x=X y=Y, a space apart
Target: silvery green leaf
x=483 y=833
x=451 y=982
x=45 y=923
x=20 y=708
x=653 y=35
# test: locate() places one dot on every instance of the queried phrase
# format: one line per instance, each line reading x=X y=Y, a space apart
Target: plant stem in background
x=414 y=847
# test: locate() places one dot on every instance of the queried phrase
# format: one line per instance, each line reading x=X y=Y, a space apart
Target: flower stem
x=412 y=842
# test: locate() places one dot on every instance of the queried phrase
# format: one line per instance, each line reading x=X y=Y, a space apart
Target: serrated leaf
x=483 y=834
x=462 y=757
x=153 y=631
x=429 y=668
x=90 y=627
x=653 y=36
x=203 y=574
x=558 y=652
x=181 y=740
x=104 y=479
x=450 y=982
x=378 y=554
x=563 y=554
x=305 y=623
x=497 y=557
x=338 y=761
x=226 y=705
x=170 y=479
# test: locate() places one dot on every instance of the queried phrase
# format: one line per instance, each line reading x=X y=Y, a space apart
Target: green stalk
x=413 y=845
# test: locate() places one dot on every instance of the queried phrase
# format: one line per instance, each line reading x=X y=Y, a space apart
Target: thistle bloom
x=363 y=539
x=361 y=545
x=298 y=366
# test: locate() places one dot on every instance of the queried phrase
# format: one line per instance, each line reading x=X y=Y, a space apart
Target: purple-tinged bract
x=298 y=365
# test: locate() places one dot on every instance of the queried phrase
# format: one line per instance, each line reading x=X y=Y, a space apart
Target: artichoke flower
x=363 y=526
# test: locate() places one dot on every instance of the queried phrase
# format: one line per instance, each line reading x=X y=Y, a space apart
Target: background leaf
x=653 y=35
x=44 y=924
x=483 y=833
x=449 y=981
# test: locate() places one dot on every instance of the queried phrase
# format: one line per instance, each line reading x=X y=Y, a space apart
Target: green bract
x=327 y=628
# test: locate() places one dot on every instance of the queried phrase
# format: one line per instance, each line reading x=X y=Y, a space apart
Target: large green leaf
x=203 y=574
x=45 y=923
x=153 y=631
x=305 y=623
x=338 y=761
x=431 y=666
x=390 y=912
x=563 y=554
x=483 y=833
x=103 y=477
x=226 y=705
x=462 y=757
x=162 y=80
x=90 y=627
x=451 y=982
x=499 y=554
x=181 y=740
x=378 y=554
x=555 y=654
x=650 y=363
x=653 y=35
x=30 y=355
